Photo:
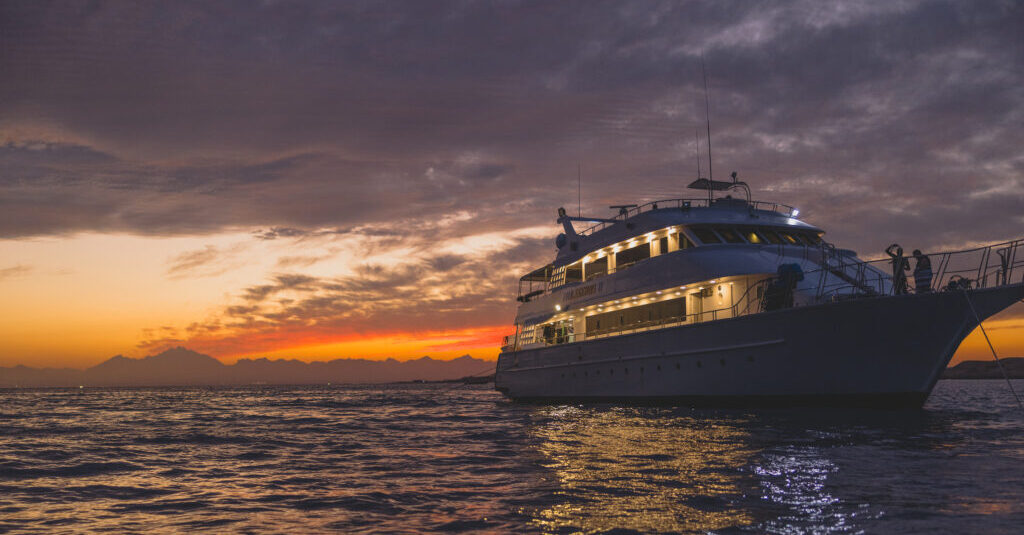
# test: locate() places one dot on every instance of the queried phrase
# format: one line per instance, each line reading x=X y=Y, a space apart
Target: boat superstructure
x=730 y=300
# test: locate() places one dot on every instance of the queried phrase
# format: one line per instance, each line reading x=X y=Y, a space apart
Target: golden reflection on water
x=623 y=468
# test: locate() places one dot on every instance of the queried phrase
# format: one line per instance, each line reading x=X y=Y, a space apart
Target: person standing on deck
x=899 y=267
x=922 y=273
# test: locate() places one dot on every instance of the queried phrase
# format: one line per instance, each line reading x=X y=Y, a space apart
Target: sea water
x=451 y=458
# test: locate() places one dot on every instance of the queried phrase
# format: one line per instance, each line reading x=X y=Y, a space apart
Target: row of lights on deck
x=631 y=243
x=630 y=301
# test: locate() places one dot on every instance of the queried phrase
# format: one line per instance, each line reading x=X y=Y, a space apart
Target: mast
x=707 y=116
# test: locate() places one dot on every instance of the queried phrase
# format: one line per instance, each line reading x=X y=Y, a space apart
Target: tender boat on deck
x=730 y=301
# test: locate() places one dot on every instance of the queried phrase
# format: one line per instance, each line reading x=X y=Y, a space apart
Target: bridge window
x=789 y=238
x=706 y=235
x=729 y=235
x=753 y=236
x=812 y=238
x=770 y=234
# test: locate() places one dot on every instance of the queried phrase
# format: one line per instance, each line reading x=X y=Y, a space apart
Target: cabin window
x=632 y=255
x=668 y=311
x=729 y=235
x=706 y=235
x=684 y=242
x=574 y=273
x=663 y=245
x=596 y=268
x=560 y=332
x=558 y=277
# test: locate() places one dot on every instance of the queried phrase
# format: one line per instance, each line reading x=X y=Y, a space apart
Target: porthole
x=659 y=367
x=625 y=371
x=611 y=371
x=699 y=365
x=722 y=361
x=641 y=369
x=750 y=358
x=677 y=365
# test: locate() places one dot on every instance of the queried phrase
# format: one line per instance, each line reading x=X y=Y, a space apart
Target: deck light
x=682 y=287
x=558 y=307
x=714 y=281
x=659 y=292
x=796 y=212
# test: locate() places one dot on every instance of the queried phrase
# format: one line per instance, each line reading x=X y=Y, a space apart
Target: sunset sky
x=369 y=179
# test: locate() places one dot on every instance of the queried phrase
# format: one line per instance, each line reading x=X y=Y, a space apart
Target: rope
x=490 y=369
x=996 y=357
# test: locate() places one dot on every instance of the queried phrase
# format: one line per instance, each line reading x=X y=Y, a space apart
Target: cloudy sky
x=346 y=179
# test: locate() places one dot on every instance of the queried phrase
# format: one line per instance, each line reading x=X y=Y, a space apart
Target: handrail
x=684 y=203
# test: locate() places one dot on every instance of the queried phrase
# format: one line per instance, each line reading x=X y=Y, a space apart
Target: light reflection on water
x=644 y=473
x=429 y=458
x=666 y=470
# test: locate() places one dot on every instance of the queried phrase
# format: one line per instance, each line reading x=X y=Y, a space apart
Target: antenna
x=707 y=116
x=579 y=189
x=696 y=140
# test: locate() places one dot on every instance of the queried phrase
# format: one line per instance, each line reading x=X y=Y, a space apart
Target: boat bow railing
x=986 y=266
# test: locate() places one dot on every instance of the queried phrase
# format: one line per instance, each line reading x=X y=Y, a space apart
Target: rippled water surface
x=415 y=458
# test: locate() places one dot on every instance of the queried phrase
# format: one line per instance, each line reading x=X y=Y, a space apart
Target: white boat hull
x=880 y=351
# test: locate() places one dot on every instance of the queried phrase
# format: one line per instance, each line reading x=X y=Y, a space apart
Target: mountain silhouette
x=175 y=366
x=182 y=366
x=986 y=369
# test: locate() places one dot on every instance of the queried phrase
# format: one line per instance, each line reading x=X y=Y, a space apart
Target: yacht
x=733 y=302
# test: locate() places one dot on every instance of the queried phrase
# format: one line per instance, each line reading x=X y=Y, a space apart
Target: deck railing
x=980 y=267
x=627 y=213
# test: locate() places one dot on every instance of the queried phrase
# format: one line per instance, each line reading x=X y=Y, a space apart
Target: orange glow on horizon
x=479 y=342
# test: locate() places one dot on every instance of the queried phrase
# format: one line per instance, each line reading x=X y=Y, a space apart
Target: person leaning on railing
x=899 y=266
x=922 y=272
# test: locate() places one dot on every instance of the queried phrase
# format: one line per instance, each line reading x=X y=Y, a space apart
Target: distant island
x=181 y=367
x=986 y=369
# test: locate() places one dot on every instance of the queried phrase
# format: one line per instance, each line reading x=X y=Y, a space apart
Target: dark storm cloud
x=882 y=121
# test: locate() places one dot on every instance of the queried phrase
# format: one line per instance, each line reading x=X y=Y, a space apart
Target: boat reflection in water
x=669 y=470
